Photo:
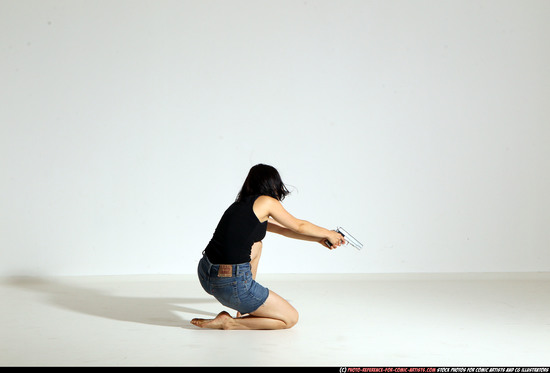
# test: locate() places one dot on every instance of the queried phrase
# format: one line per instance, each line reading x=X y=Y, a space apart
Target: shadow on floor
x=152 y=311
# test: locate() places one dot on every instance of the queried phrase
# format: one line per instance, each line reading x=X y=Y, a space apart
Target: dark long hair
x=263 y=180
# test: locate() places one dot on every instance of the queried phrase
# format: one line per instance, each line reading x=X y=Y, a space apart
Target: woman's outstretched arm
x=275 y=227
x=282 y=222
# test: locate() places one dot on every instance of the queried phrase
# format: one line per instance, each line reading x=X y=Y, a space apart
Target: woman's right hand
x=335 y=239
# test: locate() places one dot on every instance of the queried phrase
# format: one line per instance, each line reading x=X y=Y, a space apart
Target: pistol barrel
x=349 y=238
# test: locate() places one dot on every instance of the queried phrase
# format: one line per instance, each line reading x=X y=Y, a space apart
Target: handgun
x=348 y=237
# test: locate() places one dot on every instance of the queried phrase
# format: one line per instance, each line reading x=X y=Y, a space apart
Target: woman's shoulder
x=262 y=206
x=262 y=198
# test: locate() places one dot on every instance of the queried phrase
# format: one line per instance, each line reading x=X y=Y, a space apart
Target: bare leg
x=275 y=313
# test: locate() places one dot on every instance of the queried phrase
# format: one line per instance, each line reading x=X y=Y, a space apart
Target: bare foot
x=220 y=322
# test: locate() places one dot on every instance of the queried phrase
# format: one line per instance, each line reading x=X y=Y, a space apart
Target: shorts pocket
x=225 y=291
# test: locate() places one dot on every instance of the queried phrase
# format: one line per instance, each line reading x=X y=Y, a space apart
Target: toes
x=197 y=322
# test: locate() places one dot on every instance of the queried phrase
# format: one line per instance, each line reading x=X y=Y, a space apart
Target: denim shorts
x=239 y=292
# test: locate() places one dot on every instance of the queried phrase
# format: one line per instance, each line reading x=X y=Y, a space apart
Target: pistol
x=348 y=237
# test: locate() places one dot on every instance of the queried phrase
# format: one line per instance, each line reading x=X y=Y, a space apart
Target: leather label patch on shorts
x=226 y=270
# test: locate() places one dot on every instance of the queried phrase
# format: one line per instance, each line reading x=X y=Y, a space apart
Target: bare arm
x=282 y=222
x=275 y=227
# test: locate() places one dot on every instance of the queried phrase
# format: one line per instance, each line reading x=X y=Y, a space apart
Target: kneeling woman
x=228 y=267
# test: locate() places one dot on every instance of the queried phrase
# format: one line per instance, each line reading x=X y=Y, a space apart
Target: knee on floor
x=292 y=319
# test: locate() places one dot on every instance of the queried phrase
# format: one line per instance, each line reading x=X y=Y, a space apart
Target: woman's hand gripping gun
x=349 y=239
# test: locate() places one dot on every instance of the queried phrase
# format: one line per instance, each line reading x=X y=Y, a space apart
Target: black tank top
x=235 y=234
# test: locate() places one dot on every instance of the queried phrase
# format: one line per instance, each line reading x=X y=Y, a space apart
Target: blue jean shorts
x=239 y=292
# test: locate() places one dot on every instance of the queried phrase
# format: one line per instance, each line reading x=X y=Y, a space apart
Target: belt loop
x=207 y=262
x=241 y=268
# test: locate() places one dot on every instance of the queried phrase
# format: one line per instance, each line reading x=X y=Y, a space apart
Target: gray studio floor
x=345 y=320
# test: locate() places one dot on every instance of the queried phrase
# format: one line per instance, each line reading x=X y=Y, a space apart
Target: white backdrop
x=127 y=128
